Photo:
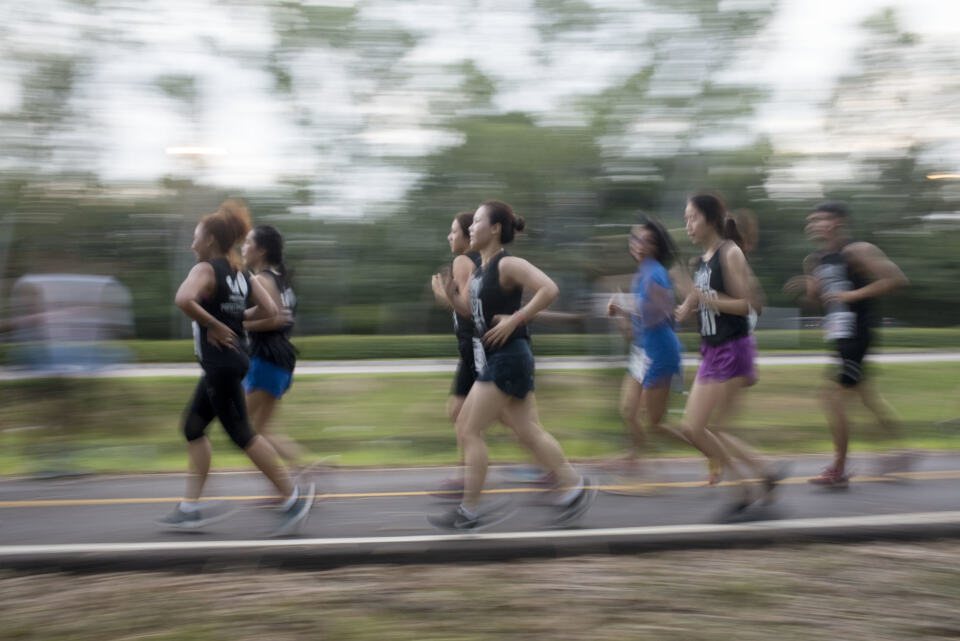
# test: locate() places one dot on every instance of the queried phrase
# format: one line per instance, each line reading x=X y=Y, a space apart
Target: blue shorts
x=264 y=375
x=657 y=364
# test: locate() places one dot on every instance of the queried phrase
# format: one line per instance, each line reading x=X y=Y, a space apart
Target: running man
x=214 y=296
x=504 y=388
x=844 y=277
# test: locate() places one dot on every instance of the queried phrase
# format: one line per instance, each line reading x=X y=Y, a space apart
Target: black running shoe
x=180 y=519
x=579 y=505
x=295 y=517
x=456 y=519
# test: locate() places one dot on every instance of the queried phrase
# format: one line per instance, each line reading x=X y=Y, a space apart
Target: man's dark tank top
x=835 y=274
x=463 y=326
x=487 y=300
x=274 y=346
x=716 y=328
x=231 y=295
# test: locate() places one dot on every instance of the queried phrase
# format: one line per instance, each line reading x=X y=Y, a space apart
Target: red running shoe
x=830 y=477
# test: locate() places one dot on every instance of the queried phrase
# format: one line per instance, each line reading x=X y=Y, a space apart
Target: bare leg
x=261 y=407
x=733 y=389
x=198 y=451
x=522 y=417
x=835 y=402
x=265 y=458
x=630 y=411
x=704 y=397
x=881 y=409
x=480 y=410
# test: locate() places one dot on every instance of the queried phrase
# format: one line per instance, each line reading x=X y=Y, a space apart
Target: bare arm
x=453 y=290
x=200 y=283
x=259 y=318
x=884 y=274
x=517 y=272
x=736 y=280
x=805 y=288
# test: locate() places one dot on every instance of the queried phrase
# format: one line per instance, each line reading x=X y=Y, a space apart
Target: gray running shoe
x=208 y=514
x=579 y=505
x=295 y=517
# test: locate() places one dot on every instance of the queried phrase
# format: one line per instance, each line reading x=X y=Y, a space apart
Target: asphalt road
x=366 y=515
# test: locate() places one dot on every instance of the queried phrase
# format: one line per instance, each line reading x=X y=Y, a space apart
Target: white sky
x=805 y=47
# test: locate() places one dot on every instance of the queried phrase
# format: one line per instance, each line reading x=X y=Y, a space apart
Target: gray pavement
x=378 y=515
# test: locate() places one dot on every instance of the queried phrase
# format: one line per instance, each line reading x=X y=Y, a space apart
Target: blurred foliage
x=579 y=174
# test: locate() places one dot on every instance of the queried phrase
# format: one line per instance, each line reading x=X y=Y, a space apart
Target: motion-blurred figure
x=844 y=277
x=723 y=295
x=647 y=318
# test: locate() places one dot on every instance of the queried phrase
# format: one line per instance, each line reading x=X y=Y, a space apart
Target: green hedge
x=350 y=347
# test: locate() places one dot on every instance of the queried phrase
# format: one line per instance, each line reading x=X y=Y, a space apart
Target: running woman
x=655 y=349
x=723 y=298
x=844 y=277
x=504 y=388
x=469 y=346
x=214 y=296
x=272 y=355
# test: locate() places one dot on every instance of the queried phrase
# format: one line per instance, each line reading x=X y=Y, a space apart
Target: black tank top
x=274 y=346
x=835 y=274
x=487 y=300
x=716 y=328
x=463 y=326
x=231 y=295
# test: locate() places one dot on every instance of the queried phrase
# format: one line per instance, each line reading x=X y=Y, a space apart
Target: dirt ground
x=865 y=591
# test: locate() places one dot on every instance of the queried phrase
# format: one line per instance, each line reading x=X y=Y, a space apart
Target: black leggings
x=219 y=394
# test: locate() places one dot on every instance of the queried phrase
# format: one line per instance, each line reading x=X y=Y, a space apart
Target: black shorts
x=852 y=352
x=219 y=394
x=466 y=374
x=510 y=368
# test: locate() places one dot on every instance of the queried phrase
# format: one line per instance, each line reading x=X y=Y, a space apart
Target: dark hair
x=666 y=250
x=465 y=219
x=267 y=238
x=228 y=225
x=502 y=213
x=715 y=213
x=836 y=208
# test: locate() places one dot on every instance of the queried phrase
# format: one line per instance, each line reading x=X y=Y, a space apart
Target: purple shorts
x=731 y=360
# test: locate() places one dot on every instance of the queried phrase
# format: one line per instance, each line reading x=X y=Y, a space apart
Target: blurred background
x=359 y=128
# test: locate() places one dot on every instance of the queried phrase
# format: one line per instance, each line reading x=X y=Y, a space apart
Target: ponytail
x=502 y=213
x=740 y=227
x=228 y=226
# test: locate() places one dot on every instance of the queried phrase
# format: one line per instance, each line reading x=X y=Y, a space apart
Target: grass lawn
x=400 y=419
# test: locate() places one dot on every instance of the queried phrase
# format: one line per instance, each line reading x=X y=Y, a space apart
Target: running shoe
x=451 y=488
x=295 y=517
x=831 y=477
x=774 y=476
x=735 y=510
x=487 y=514
x=456 y=519
x=208 y=514
x=580 y=504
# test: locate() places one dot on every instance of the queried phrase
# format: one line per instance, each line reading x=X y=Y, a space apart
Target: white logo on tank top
x=708 y=316
x=476 y=306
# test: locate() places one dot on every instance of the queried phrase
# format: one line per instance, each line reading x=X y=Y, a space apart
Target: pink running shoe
x=831 y=477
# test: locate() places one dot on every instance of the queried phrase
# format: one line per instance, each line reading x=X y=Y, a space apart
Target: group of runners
x=493 y=296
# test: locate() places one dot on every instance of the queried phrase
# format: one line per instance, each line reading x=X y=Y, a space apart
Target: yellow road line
x=923 y=476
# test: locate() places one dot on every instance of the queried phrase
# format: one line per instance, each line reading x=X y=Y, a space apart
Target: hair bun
x=520 y=223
